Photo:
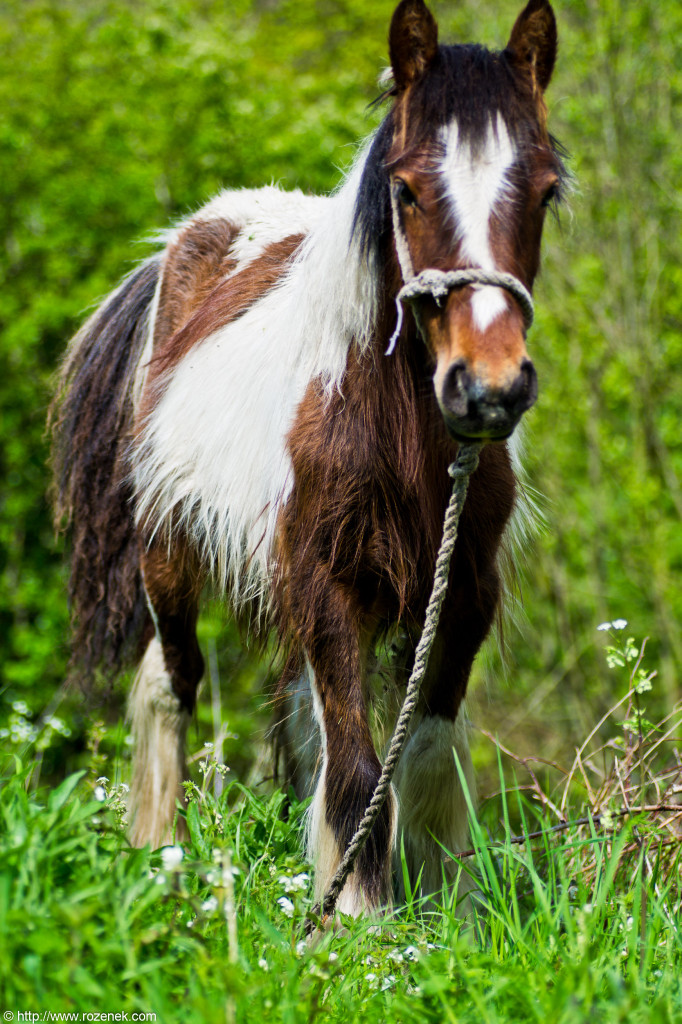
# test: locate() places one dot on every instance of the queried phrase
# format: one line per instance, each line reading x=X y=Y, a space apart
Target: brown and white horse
x=229 y=413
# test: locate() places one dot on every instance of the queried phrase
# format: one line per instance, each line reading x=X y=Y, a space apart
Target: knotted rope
x=439 y=283
x=460 y=471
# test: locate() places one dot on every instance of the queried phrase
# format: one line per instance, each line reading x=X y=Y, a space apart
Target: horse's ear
x=412 y=41
x=533 y=42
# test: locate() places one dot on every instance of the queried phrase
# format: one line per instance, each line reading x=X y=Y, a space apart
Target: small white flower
x=296 y=884
x=20 y=706
x=396 y=956
x=619 y=623
x=388 y=981
x=587 y=909
x=604 y=626
x=210 y=905
x=286 y=905
x=160 y=879
x=333 y=956
x=171 y=857
x=263 y=964
x=102 y=780
x=301 y=947
x=191 y=922
x=372 y=980
x=411 y=953
x=100 y=794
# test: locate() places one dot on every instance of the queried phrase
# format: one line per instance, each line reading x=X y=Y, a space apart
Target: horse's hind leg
x=163 y=695
x=296 y=731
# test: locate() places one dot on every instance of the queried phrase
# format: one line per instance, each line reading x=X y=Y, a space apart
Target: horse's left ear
x=533 y=42
x=412 y=41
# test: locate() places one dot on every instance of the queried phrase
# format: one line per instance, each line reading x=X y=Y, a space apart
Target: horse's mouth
x=492 y=424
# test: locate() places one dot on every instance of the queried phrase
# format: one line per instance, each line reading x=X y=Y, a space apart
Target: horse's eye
x=550 y=195
x=404 y=194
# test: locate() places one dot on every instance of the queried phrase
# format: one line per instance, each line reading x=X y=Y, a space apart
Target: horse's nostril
x=528 y=390
x=456 y=388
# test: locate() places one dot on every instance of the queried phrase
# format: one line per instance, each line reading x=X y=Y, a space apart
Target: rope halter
x=439 y=284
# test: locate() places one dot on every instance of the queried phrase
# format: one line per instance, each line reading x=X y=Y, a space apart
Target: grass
x=571 y=922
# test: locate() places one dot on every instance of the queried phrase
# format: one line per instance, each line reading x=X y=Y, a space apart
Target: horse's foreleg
x=433 y=805
x=163 y=695
x=350 y=767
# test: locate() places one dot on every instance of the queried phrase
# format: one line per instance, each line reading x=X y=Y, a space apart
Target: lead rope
x=460 y=471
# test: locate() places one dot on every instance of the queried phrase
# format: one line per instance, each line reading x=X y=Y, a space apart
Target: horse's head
x=471 y=170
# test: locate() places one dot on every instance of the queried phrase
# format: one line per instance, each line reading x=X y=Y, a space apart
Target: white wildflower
x=301 y=947
x=388 y=981
x=296 y=884
x=411 y=953
x=210 y=905
x=171 y=857
x=619 y=623
x=286 y=905
x=603 y=626
x=100 y=794
x=333 y=956
x=372 y=980
x=263 y=964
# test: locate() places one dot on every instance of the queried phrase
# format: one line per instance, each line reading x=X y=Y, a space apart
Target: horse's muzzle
x=472 y=409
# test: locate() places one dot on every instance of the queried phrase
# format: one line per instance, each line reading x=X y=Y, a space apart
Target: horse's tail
x=91 y=420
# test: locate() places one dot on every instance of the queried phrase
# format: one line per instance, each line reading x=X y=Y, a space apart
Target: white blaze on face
x=473 y=183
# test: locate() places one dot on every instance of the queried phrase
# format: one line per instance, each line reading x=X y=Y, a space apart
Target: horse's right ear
x=412 y=41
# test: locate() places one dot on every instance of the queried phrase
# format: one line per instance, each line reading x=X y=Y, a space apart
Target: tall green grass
x=568 y=923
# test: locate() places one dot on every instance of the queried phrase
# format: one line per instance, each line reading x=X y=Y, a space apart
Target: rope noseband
x=439 y=283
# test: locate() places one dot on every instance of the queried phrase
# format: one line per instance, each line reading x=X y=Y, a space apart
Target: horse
x=230 y=415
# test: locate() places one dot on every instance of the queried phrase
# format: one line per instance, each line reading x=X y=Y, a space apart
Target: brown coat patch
x=194 y=265
x=227 y=301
